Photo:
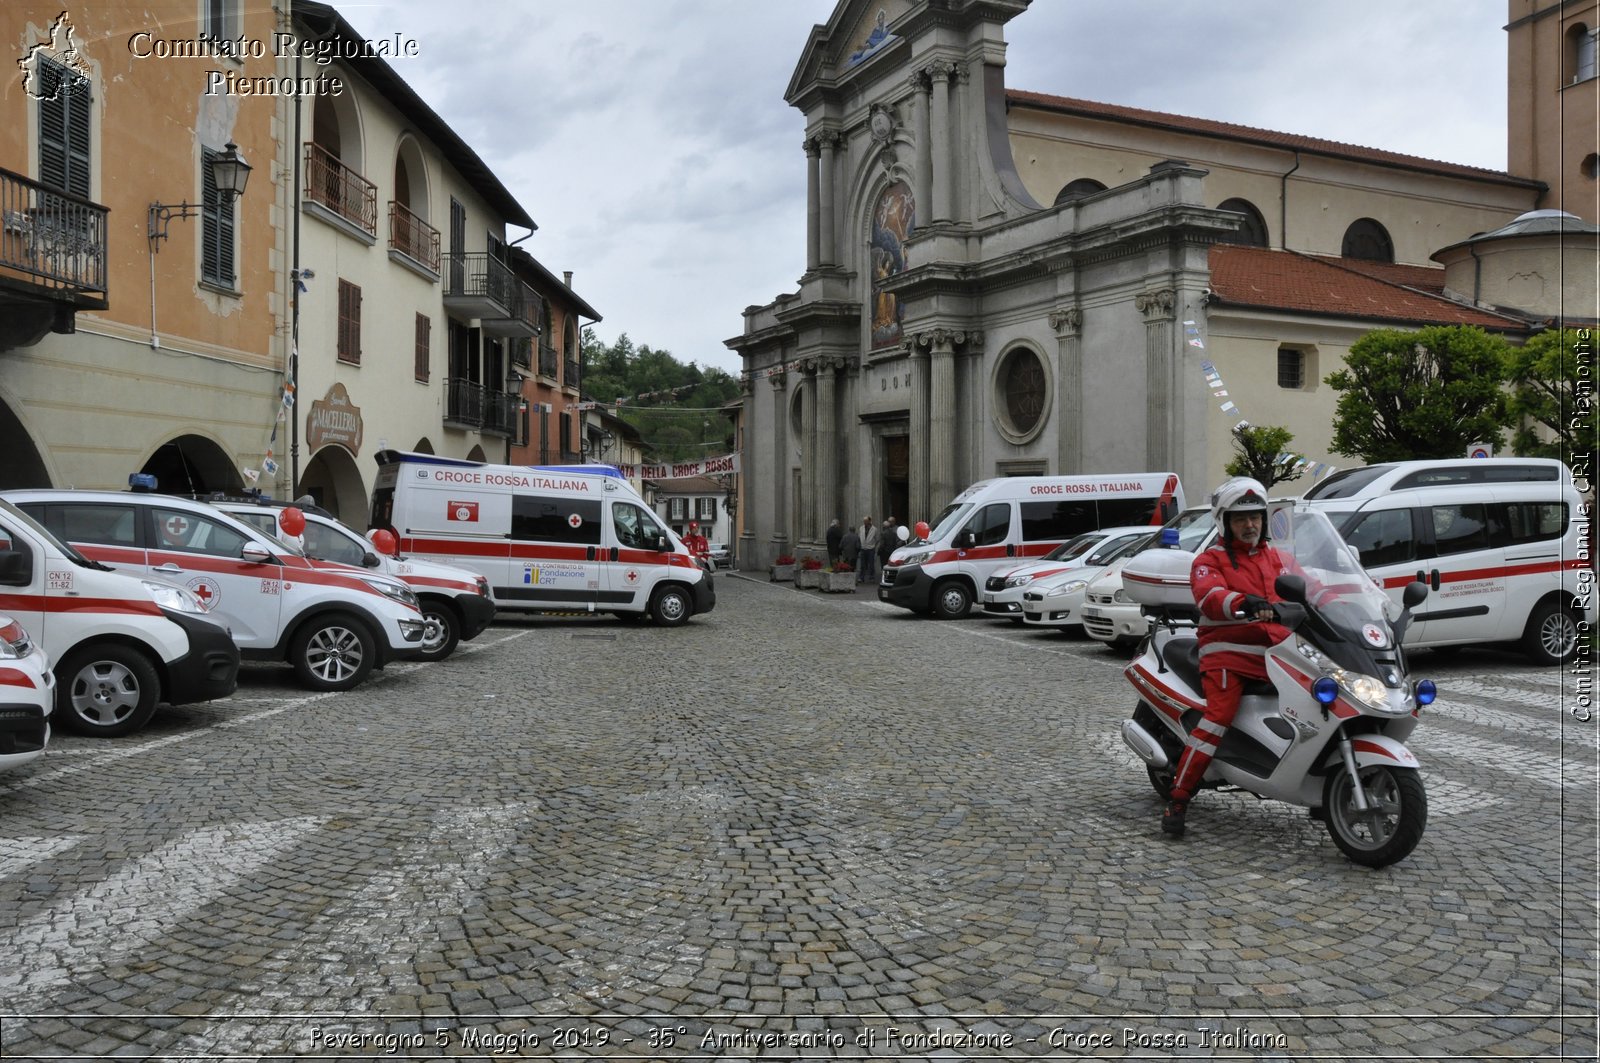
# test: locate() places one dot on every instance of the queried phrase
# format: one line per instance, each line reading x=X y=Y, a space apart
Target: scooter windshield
x=1336 y=584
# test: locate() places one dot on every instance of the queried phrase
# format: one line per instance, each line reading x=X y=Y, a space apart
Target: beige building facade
x=1553 y=101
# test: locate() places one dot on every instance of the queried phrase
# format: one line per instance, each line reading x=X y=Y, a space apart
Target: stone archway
x=193 y=465
x=476 y=454
x=334 y=483
x=24 y=466
x=424 y=446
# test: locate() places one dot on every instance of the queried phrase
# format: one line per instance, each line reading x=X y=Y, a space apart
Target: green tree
x=675 y=406
x=1424 y=394
x=1255 y=454
x=1546 y=392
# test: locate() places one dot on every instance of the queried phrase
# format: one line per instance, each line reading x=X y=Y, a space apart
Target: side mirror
x=661 y=543
x=15 y=569
x=370 y=560
x=1415 y=593
x=256 y=555
x=1291 y=588
x=969 y=539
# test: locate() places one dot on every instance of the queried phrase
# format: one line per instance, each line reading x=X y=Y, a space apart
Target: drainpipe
x=1283 y=205
x=1477 y=272
x=294 y=297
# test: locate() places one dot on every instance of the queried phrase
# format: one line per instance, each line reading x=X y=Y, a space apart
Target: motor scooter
x=1327 y=731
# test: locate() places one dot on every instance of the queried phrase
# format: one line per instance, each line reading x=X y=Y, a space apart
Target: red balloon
x=922 y=529
x=383 y=539
x=292 y=521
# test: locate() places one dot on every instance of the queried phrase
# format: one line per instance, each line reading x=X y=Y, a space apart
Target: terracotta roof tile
x=1339 y=287
x=1291 y=141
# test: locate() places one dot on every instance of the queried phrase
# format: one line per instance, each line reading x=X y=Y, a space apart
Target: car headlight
x=1122 y=598
x=14 y=642
x=397 y=591
x=483 y=587
x=1018 y=581
x=917 y=558
x=1070 y=587
x=178 y=599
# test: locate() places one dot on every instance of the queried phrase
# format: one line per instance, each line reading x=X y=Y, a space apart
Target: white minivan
x=1005 y=522
x=548 y=538
x=333 y=623
x=1502 y=544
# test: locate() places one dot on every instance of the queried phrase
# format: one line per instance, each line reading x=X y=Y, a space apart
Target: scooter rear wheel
x=1389 y=830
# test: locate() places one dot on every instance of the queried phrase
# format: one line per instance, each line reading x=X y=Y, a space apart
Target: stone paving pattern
x=804 y=826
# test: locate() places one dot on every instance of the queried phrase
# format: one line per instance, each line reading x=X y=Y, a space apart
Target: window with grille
x=424 y=338
x=708 y=509
x=216 y=228
x=1291 y=368
x=677 y=508
x=349 y=349
x=64 y=127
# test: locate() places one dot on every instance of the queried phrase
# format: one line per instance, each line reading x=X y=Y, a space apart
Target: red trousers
x=1223 y=689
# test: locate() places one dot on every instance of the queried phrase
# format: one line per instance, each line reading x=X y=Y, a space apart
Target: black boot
x=1172 y=819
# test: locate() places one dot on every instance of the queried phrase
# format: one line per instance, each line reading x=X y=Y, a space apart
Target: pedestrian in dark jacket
x=835 y=536
x=850 y=548
x=888 y=540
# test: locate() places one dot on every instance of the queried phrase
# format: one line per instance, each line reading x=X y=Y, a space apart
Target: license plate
x=883 y=595
x=1093 y=613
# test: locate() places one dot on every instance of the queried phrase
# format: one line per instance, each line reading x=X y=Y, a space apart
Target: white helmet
x=1241 y=494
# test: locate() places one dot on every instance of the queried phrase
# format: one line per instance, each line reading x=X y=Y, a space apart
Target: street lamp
x=229 y=172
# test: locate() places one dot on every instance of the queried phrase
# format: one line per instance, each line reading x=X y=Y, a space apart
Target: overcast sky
x=650 y=142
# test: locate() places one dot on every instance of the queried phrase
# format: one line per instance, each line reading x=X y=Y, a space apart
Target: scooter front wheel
x=1393 y=823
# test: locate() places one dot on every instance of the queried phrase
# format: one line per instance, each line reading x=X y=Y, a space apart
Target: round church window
x=1023 y=387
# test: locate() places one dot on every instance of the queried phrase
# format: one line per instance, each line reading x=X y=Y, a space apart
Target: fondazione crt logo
x=57 y=63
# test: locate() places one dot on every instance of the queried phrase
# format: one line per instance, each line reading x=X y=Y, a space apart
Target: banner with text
x=684 y=470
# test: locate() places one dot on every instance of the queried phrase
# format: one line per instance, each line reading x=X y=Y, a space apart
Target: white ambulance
x=333 y=623
x=1001 y=523
x=120 y=645
x=27 y=696
x=548 y=538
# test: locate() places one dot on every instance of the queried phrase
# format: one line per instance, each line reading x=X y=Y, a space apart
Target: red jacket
x=1220 y=587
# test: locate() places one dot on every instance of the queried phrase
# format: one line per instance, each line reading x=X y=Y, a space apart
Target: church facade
x=1000 y=282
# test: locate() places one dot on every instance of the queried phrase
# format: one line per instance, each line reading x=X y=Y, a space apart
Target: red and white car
x=1002 y=591
x=27 y=695
x=333 y=623
x=1056 y=600
x=456 y=603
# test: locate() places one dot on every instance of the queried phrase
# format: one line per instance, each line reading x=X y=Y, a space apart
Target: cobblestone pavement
x=802 y=826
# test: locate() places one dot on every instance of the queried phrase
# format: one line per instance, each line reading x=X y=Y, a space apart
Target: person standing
x=868 y=568
x=698 y=545
x=850 y=547
x=835 y=536
x=887 y=541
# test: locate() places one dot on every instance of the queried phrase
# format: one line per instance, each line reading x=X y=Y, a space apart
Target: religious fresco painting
x=892 y=224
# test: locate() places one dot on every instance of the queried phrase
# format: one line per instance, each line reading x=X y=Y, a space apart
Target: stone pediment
x=857 y=30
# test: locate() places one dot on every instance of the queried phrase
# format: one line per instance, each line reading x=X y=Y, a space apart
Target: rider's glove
x=1253 y=604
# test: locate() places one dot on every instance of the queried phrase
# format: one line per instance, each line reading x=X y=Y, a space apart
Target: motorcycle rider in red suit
x=698 y=544
x=1233 y=587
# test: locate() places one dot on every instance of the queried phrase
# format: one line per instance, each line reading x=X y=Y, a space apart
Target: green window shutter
x=64 y=127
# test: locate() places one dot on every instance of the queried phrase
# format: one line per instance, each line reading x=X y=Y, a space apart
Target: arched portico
x=333 y=481
x=24 y=465
x=193 y=465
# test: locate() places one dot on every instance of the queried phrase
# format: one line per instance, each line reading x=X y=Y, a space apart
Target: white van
x=119 y=645
x=1502 y=544
x=333 y=623
x=1004 y=522
x=28 y=697
x=547 y=538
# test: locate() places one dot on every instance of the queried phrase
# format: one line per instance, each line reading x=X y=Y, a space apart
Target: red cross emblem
x=574 y=520
x=206 y=590
x=631 y=576
x=177 y=527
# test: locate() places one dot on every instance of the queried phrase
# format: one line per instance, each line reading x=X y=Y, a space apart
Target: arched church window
x=1253 y=233
x=1367 y=240
x=1023 y=388
x=1083 y=186
x=893 y=221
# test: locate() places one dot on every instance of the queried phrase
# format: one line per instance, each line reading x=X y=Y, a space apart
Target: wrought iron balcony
x=464 y=402
x=573 y=377
x=340 y=190
x=411 y=236
x=52 y=247
x=549 y=360
x=479 y=285
x=523 y=319
x=500 y=412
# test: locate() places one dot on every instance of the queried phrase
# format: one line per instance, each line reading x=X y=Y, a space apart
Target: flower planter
x=839 y=582
x=808 y=578
x=780 y=573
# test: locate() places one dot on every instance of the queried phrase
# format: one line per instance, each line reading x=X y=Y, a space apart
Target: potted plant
x=840 y=579
x=809 y=574
x=782 y=570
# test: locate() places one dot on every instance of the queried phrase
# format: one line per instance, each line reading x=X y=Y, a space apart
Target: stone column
x=941 y=416
x=943 y=171
x=828 y=221
x=809 y=532
x=1163 y=423
x=813 y=206
x=781 y=466
x=924 y=168
x=1068 y=325
x=918 y=488
x=827 y=443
